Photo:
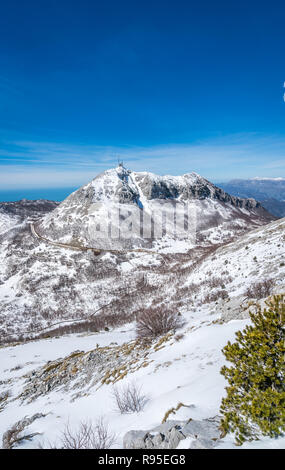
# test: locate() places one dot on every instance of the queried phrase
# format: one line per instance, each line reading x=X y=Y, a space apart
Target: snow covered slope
x=41 y=284
x=13 y=213
x=240 y=271
x=98 y=296
x=7 y=221
x=71 y=379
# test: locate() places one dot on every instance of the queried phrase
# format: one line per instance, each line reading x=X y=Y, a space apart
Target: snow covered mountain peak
x=120 y=190
x=126 y=186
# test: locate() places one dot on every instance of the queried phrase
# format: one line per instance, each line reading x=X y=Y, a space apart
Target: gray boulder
x=205 y=429
x=202 y=444
x=134 y=440
x=168 y=435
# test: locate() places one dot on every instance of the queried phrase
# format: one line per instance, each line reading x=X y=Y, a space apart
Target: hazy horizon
x=60 y=193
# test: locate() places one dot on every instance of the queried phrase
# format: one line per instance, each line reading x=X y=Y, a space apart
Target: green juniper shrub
x=255 y=401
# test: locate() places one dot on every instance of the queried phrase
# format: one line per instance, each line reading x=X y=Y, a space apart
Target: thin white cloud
x=33 y=178
x=47 y=164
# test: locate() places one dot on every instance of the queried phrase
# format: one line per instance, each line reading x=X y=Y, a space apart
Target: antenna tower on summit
x=120 y=163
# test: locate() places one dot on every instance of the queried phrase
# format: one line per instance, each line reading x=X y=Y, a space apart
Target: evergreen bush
x=255 y=401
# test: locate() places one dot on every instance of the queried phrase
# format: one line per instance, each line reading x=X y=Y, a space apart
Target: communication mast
x=120 y=163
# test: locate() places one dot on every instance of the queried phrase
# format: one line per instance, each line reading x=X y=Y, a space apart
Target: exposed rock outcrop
x=205 y=434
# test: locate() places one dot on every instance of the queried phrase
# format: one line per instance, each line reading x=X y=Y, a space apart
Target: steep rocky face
x=186 y=187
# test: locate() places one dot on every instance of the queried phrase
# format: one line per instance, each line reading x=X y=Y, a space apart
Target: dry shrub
x=87 y=436
x=259 y=290
x=14 y=436
x=219 y=282
x=173 y=411
x=129 y=398
x=179 y=337
x=6 y=394
x=156 y=321
x=214 y=296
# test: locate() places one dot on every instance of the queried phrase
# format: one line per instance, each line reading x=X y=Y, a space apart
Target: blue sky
x=169 y=86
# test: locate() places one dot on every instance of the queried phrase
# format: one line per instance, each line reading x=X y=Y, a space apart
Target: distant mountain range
x=269 y=191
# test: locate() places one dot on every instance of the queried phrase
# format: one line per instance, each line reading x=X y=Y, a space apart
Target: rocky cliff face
x=186 y=187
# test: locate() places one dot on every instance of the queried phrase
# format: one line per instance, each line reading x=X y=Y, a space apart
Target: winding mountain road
x=96 y=251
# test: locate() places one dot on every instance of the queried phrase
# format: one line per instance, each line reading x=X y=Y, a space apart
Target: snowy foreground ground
x=184 y=370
